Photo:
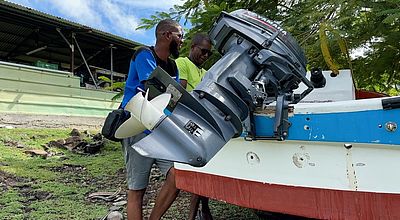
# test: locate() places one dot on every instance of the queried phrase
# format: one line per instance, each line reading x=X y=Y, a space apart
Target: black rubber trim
x=391 y=103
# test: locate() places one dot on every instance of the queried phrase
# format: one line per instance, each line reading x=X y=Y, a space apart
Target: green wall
x=26 y=89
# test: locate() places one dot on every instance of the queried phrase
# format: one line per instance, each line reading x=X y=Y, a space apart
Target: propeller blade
x=150 y=114
x=132 y=126
x=161 y=101
x=129 y=128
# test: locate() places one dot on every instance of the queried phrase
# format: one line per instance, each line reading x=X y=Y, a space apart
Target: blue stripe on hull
x=358 y=127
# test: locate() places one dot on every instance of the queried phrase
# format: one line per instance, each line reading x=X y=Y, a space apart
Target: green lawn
x=52 y=188
x=57 y=187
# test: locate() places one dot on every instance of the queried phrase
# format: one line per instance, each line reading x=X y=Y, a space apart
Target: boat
x=338 y=162
x=260 y=132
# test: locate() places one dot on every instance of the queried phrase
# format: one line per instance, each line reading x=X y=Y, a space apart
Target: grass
x=66 y=209
x=67 y=190
x=57 y=187
x=11 y=205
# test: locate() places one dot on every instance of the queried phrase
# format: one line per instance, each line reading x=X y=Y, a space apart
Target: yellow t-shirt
x=189 y=72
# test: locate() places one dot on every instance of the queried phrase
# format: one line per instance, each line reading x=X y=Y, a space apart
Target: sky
x=119 y=17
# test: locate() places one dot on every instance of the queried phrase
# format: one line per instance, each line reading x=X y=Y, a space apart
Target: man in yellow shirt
x=190 y=74
x=190 y=70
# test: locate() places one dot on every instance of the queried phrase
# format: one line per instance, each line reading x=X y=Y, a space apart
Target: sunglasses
x=178 y=34
x=205 y=51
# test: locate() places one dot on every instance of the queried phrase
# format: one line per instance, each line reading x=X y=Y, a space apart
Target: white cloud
x=121 y=21
x=81 y=11
x=21 y=2
x=114 y=16
x=120 y=17
x=152 y=4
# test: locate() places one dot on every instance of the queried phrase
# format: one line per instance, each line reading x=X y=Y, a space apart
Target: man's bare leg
x=166 y=197
x=134 y=205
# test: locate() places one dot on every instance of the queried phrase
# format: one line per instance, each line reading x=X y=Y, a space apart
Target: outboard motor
x=261 y=65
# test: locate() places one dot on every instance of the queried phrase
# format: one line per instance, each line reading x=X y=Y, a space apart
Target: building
x=51 y=66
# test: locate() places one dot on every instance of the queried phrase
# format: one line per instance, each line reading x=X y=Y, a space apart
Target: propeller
x=144 y=114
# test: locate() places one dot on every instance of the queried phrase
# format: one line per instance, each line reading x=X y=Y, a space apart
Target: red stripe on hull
x=300 y=201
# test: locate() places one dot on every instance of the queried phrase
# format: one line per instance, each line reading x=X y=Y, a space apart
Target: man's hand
x=183 y=83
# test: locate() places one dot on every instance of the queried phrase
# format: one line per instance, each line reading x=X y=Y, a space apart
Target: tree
x=329 y=31
x=116 y=86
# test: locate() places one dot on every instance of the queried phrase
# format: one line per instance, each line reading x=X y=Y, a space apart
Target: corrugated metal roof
x=65 y=22
x=23 y=30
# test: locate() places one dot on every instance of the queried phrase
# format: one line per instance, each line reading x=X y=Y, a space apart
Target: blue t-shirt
x=140 y=69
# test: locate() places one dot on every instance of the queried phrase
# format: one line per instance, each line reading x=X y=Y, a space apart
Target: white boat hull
x=325 y=180
x=340 y=161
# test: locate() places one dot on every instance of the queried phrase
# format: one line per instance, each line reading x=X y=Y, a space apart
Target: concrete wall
x=32 y=90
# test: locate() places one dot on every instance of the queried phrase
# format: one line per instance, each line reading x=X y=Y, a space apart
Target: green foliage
x=356 y=24
x=116 y=86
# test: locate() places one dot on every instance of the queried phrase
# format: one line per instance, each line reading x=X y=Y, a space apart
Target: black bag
x=119 y=116
x=112 y=123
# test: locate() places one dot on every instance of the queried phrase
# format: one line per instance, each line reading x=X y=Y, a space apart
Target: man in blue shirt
x=169 y=38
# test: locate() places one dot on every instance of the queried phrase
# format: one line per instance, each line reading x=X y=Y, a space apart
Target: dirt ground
x=50 y=121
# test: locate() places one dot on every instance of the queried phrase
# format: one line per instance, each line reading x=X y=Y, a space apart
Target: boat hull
x=340 y=161
x=300 y=201
x=310 y=179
